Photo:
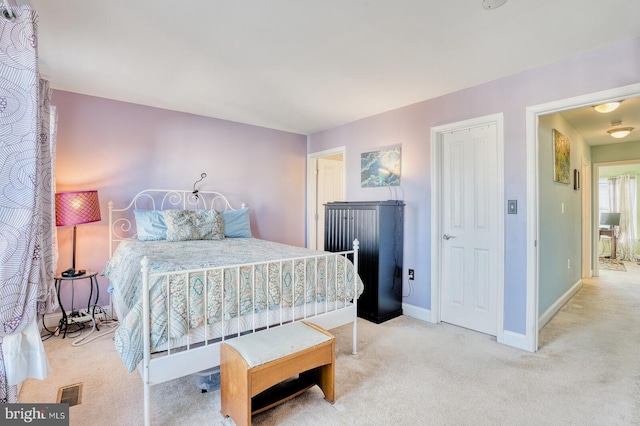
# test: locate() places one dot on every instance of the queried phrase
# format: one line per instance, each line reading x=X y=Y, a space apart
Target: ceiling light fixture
x=492 y=4
x=619 y=132
x=608 y=107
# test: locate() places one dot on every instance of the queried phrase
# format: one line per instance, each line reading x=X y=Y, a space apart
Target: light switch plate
x=512 y=207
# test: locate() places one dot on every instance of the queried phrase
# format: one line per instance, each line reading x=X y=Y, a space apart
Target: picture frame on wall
x=381 y=168
x=561 y=158
x=576 y=179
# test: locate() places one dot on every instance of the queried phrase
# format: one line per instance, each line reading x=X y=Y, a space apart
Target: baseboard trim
x=416 y=312
x=509 y=338
x=515 y=340
x=553 y=309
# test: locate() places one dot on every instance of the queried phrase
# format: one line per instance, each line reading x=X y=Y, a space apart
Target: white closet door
x=470 y=238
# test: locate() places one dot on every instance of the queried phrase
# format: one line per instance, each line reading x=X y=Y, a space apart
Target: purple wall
x=120 y=148
x=618 y=65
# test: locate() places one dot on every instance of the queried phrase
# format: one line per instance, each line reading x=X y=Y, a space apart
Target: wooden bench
x=261 y=370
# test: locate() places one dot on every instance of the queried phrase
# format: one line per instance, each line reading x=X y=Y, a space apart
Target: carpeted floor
x=407 y=371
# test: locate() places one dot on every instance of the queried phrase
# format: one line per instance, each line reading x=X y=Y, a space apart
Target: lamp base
x=73 y=272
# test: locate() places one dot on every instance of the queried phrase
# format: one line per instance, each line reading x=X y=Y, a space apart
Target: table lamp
x=76 y=208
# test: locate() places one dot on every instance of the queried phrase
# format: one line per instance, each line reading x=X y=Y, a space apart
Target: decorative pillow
x=150 y=225
x=236 y=223
x=183 y=225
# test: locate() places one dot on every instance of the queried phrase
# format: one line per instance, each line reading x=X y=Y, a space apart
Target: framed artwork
x=380 y=168
x=561 y=158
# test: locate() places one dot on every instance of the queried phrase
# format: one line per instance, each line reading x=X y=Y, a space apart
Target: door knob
x=447 y=236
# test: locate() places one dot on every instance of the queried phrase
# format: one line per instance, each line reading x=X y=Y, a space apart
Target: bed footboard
x=204 y=307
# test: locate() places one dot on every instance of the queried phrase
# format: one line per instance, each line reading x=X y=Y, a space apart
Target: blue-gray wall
x=560 y=233
x=616 y=152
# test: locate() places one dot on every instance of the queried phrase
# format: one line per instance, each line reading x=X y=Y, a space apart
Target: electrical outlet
x=568 y=263
x=411 y=274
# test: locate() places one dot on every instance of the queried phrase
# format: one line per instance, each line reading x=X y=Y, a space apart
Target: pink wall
x=615 y=66
x=120 y=148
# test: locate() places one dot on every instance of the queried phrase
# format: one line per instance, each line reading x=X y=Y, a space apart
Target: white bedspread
x=264 y=287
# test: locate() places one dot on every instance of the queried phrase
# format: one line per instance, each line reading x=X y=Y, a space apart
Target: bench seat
x=261 y=370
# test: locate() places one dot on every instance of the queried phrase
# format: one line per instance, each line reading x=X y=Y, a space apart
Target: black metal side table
x=93 y=282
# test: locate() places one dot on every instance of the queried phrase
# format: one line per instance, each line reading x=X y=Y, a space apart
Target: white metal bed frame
x=206 y=354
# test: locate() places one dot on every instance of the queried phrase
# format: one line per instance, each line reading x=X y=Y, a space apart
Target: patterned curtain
x=27 y=254
x=613 y=194
x=626 y=247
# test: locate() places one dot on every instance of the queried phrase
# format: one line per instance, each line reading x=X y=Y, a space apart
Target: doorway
x=533 y=213
x=467 y=241
x=606 y=246
x=325 y=183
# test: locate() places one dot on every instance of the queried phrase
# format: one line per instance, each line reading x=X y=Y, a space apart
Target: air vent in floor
x=71 y=394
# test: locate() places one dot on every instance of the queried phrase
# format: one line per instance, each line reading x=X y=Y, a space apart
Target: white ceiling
x=309 y=65
x=593 y=125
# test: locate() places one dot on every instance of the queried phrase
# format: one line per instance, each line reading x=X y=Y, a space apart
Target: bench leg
x=326 y=381
x=324 y=377
x=235 y=384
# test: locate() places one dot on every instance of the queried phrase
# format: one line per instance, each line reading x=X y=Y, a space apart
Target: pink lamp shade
x=75 y=208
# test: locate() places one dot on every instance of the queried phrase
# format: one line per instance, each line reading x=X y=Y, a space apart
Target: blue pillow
x=150 y=225
x=236 y=223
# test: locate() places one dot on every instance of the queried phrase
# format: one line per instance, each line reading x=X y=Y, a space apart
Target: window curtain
x=27 y=226
x=613 y=194
x=622 y=199
x=626 y=245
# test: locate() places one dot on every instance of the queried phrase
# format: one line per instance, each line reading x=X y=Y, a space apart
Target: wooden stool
x=258 y=371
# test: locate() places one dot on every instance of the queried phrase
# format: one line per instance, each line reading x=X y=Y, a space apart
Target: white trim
x=312 y=161
x=531 y=310
x=515 y=340
x=532 y=114
x=553 y=309
x=416 y=312
x=587 y=233
x=595 y=211
x=436 y=209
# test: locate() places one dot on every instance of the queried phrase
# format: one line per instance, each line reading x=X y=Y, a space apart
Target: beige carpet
x=408 y=372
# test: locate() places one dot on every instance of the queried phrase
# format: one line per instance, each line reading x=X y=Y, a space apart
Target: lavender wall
x=120 y=148
x=615 y=66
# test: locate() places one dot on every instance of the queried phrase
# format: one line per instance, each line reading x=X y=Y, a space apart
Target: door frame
x=312 y=186
x=437 y=171
x=533 y=216
x=587 y=267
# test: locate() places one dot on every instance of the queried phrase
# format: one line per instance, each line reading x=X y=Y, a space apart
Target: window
x=603 y=197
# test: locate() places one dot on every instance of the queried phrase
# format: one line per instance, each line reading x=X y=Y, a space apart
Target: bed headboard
x=120 y=220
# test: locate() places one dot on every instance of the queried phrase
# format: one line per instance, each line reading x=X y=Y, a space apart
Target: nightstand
x=77 y=316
